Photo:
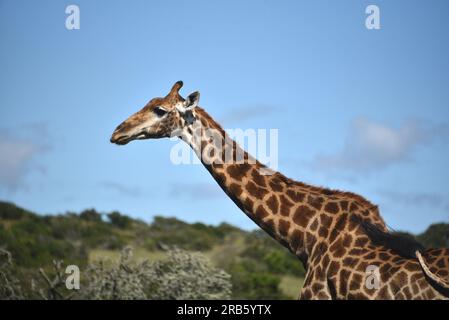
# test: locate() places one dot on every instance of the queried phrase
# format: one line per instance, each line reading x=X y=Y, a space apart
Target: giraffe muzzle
x=122 y=139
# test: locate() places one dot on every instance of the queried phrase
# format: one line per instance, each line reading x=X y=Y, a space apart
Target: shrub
x=185 y=275
x=122 y=281
x=283 y=262
x=90 y=215
x=119 y=220
x=251 y=283
x=436 y=236
x=10 y=211
x=195 y=237
x=9 y=285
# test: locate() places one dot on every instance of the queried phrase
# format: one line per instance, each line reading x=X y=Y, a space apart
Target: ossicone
x=175 y=89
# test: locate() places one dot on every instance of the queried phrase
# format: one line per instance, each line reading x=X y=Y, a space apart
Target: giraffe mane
x=327 y=191
x=288 y=181
x=407 y=248
x=404 y=246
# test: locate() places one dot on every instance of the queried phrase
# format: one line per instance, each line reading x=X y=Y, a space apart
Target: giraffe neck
x=297 y=215
x=244 y=179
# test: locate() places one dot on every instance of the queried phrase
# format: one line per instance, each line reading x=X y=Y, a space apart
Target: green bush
x=283 y=262
x=9 y=211
x=436 y=236
x=119 y=220
x=249 y=282
x=186 y=275
x=254 y=260
x=274 y=257
x=90 y=215
x=195 y=237
x=10 y=287
x=183 y=275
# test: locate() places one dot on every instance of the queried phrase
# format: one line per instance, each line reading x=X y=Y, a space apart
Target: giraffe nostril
x=114 y=138
x=118 y=137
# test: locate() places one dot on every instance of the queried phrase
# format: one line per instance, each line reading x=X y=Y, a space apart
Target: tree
x=119 y=220
x=90 y=215
x=436 y=236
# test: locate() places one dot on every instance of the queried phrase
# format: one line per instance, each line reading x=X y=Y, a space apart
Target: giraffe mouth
x=125 y=139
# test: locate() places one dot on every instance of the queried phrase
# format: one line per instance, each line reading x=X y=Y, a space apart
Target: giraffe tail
x=441 y=282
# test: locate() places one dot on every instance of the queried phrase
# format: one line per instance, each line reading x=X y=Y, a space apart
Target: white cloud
x=413 y=199
x=198 y=191
x=241 y=114
x=17 y=159
x=371 y=146
x=122 y=189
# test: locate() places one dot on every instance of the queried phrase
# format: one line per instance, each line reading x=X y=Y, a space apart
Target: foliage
x=183 y=275
x=276 y=259
x=119 y=220
x=250 y=282
x=10 y=287
x=124 y=281
x=90 y=215
x=32 y=244
x=197 y=236
x=11 y=211
x=255 y=262
x=436 y=236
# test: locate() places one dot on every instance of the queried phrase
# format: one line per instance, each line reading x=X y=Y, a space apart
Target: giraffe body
x=320 y=226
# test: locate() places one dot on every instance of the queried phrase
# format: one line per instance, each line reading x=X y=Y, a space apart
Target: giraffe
x=328 y=230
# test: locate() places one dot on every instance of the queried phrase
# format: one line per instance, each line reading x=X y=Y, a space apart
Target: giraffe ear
x=192 y=100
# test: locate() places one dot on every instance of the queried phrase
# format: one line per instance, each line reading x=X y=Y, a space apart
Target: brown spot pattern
x=284 y=226
x=331 y=207
x=238 y=171
x=258 y=178
x=255 y=190
x=273 y=204
x=302 y=215
x=261 y=212
x=296 y=196
x=235 y=189
x=315 y=201
x=286 y=205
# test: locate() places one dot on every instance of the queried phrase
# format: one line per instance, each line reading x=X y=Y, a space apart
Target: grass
x=291 y=286
x=139 y=255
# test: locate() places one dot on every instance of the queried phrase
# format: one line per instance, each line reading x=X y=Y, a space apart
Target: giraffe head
x=159 y=118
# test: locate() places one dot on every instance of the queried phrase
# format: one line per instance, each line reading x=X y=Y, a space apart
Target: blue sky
x=357 y=109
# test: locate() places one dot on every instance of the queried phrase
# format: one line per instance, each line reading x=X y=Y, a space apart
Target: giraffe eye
x=159 y=111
